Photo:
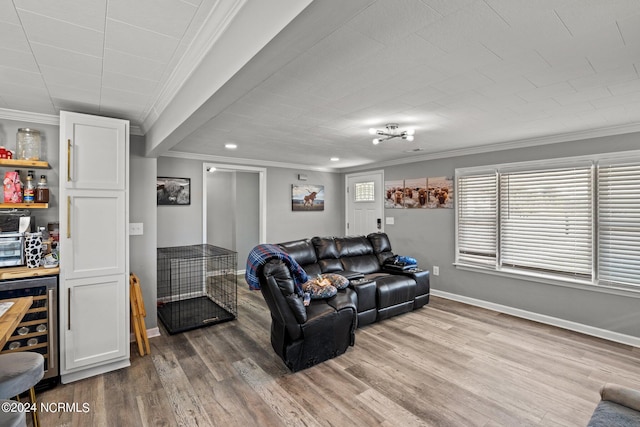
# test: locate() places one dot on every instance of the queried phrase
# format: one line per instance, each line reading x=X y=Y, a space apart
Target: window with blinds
x=576 y=219
x=546 y=219
x=619 y=223
x=477 y=219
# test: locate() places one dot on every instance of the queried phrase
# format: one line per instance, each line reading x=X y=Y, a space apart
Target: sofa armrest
x=621 y=395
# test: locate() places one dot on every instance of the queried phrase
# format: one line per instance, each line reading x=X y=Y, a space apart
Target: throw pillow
x=319 y=288
x=337 y=280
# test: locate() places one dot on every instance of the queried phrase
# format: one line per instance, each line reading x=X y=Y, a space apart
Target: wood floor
x=446 y=364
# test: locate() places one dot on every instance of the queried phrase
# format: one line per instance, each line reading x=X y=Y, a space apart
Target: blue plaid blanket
x=261 y=254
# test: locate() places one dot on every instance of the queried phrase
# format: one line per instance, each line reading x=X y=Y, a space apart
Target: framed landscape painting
x=307 y=197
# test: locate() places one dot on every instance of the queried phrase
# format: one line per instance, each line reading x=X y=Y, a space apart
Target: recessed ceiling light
x=334 y=159
x=230 y=146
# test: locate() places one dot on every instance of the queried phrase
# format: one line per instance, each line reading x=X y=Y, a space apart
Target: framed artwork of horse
x=307 y=197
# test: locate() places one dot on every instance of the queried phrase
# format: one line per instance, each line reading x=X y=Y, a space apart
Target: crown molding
x=214 y=26
x=26 y=116
x=246 y=162
x=509 y=145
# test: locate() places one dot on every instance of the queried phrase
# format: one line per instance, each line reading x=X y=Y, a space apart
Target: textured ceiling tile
x=170 y=17
x=75 y=94
x=34 y=103
x=553 y=75
x=65 y=77
x=18 y=59
x=625 y=87
x=594 y=14
x=607 y=78
x=150 y=45
x=12 y=37
x=66 y=59
x=343 y=47
x=132 y=65
x=527 y=62
x=584 y=95
x=464 y=82
x=129 y=83
x=463 y=27
x=8 y=12
x=388 y=20
x=630 y=29
x=545 y=92
x=85 y=13
x=42 y=29
x=447 y=7
x=21 y=77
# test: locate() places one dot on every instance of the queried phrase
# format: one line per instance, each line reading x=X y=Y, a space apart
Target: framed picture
x=173 y=191
x=415 y=193
x=307 y=197
x=440 y=192
x=394 y=198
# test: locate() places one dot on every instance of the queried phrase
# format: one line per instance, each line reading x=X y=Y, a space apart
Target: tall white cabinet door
x=96 y=234
x=94 y=245
x=94 y=151
x=94 y=324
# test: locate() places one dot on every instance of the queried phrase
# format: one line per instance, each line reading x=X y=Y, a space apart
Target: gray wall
x=182 y=225
x=429 y=236
x=221 y=209
x=247 y=214
x=284 y=225
x=142 y=208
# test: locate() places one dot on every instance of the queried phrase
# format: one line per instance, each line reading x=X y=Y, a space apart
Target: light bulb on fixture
x=392 y=132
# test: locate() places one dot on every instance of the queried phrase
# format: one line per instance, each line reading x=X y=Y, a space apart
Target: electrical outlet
x=136 y=229
x=436 y=270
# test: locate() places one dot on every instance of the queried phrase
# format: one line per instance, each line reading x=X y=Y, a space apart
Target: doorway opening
x=234 y=207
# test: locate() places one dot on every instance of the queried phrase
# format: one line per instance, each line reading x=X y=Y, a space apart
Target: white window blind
x=546 y=219
x=477 y=219
x=619 y=223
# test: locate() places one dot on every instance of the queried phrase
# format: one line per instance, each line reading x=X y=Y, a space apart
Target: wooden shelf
x=20 y=272
x=24 y=205
x=24 y=163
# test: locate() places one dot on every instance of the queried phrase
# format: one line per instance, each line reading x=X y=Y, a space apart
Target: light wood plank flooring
x=446 y=364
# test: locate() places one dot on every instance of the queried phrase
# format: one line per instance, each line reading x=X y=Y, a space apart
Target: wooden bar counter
x=22 y=272
x=10 y=319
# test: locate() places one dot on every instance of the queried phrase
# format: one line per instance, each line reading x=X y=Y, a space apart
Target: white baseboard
x=542 y=318
x=153 y=332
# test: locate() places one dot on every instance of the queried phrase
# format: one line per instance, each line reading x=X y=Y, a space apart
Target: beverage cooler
x=38 y=330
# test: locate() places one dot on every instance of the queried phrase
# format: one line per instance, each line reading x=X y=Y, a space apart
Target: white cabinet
x=94 y=245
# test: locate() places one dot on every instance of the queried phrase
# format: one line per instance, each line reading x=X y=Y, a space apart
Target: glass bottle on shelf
x=29 y=189
x=42 y=190
x=17 y=194
x=28 y=144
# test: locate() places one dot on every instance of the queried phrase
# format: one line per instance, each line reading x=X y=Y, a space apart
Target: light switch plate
x=389 y=220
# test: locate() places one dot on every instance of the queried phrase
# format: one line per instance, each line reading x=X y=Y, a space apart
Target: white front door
x=364 y=202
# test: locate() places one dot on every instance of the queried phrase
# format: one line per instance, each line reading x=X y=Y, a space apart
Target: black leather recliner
x=305 y=336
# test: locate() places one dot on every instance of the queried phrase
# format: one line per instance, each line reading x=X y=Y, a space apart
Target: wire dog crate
x=196 y=286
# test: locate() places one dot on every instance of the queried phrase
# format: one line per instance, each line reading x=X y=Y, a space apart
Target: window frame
x=593 y=283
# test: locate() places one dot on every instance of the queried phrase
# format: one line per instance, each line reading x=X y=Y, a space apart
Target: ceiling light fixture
x=230 y=146
x=335 y=159
x=391 y=132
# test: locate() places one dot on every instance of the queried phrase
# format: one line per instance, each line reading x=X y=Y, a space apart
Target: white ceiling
x=463 y=73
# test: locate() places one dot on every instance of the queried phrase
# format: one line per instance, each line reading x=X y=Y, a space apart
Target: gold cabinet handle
x=68 y=160
x=68 y=217
x=69 y=309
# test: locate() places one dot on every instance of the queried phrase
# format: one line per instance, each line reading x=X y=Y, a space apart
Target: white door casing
x=365 y=216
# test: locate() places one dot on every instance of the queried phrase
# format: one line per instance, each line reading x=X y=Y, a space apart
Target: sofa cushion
x=365 y=264
x=300 y=250
x=325 y=248
x=353 y=246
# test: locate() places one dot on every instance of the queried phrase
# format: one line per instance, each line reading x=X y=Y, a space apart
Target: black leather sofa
x=304 y=336
x=382 y=292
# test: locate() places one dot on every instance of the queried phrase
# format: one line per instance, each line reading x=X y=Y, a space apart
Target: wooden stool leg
x=34 y=414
